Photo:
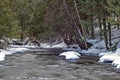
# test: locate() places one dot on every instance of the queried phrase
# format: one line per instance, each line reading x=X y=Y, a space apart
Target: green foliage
x=48 y=17
x=113 y=6
x=8 y=22
x=30 y=15
x=86 y=23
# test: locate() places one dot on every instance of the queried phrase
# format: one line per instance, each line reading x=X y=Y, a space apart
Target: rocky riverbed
x=36 y=66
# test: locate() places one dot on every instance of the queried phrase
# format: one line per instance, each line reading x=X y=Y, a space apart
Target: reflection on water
x=73 y=60
x=33 y=66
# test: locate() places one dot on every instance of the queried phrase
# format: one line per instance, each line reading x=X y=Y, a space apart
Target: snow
x=45 y=45
x=2 y=56
x=96 y=49
x=107 y=58
x=104 y=53
x=71 y=55
x=3 y=53
x=115 y=32
x=30 y=46
x=114 y=57
x=6 y=52
x=17 y=50
x=116 y=62
x=99 y=49
x=118 y=50
x=23 y=46
x=52 y=45
x=100 y=45
x=60 y=45
x=118 y=46
x=118 y=66
x=9 y=51
x=91 y=51
x=93 y=41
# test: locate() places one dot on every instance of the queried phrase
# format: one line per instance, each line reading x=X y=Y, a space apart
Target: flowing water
x=36 y=66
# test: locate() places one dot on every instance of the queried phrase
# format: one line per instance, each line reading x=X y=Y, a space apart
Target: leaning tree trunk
x=76 y=8
x=78 y=34
x=83 y=29
x=73 y=23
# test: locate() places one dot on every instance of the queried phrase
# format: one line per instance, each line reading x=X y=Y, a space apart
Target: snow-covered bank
x=53 y=45
x=23 y=46
x=99 y=49
x=9 y=51
x=96 y=49
x=113 y=57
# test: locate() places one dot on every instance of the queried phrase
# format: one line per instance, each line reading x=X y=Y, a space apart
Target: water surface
x=34 y=66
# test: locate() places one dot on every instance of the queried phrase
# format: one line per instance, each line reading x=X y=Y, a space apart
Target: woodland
x=73 y=19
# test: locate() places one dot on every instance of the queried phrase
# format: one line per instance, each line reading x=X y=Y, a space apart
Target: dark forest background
x=76 y=19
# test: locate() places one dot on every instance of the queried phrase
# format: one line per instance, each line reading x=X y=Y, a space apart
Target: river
x=36 y=66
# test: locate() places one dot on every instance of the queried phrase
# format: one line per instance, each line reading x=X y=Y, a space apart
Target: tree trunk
x=92 y=28
x=76 y=8
x=83 y=29
x=118 y=27
x=75 y=27
x=100 y=27
x=92 y=32
x=21 y=24
x=105 y=31
x=109 y=31
x=72 y=21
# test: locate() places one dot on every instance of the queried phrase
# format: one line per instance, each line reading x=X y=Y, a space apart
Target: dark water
x=33 y=66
